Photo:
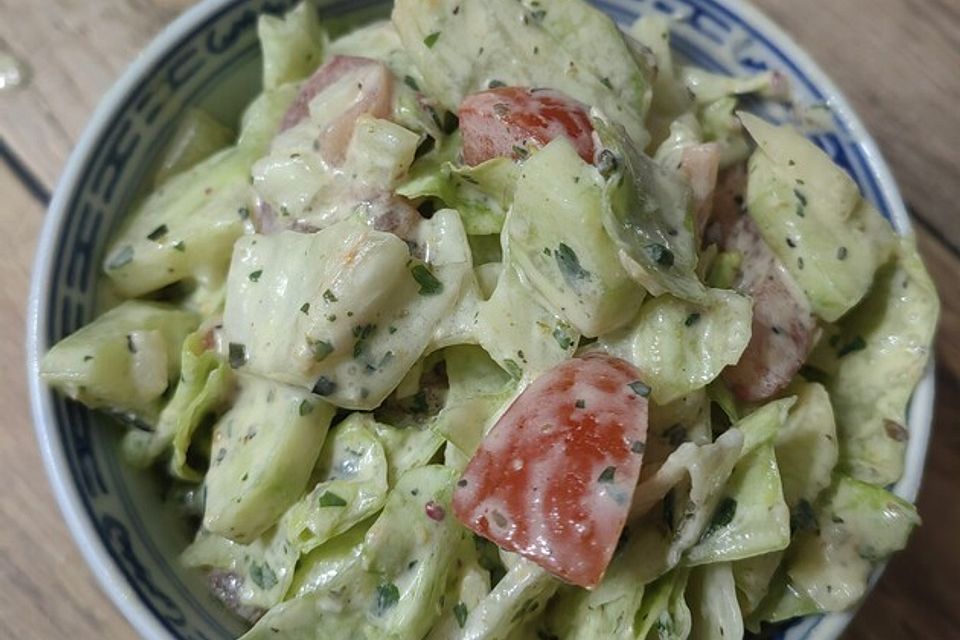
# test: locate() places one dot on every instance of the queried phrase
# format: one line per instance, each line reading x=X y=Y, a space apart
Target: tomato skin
x=554 y=478
x=496 y=122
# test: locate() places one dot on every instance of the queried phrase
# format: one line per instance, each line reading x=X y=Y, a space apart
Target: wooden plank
x=897 y=61
x=48 y=591
x=73 y=51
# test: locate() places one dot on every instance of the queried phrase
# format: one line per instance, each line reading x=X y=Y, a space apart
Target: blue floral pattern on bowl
x=209 y=57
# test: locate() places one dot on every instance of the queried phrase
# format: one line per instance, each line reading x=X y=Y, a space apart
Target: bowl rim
x=101 y=563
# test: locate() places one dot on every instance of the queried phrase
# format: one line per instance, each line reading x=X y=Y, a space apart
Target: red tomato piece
x=554 y=478
x=498 y=122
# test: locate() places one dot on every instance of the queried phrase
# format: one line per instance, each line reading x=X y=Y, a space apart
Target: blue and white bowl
x=209 y=57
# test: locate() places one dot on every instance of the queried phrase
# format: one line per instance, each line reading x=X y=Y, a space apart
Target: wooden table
x=896 y=59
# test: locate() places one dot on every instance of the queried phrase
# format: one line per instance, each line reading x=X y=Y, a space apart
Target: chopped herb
x=320 y=348
x=410 y=82
x=561 y=335
x=329 y=296
x=842 y=253
x=691 y=320
x=513 y=369
x=813 y=374
x=263 y=576
x=495 y=84
x=802 y=199
x=606 y=476
x=639 y=388
x=391 y=329
x=324 y=386
x=180 y=246
x=723 y=516
x=580 y=404
x=330 y=499
x=387 y=597
x=158 y=233
x=243 y=212
x=791 y=243
x=569 y=264
x=520 y=152
x=799 y=262
x=132 y=348
x=638 y=446
x=460 y=613
x=429 y=285
x=237 y=355
x=121 y=258
x=676 y=435
x=606 y=82
x=362 y=333
x=857 y=344
x=255 y=275
x=803 y=518
x=305 y=308
x=332 y=317
x=660 y=254
x=87 y=358
x=306 y=407
x=607 y=163
x=431 y=39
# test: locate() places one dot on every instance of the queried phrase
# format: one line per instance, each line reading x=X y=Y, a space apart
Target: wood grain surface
x=897 y=60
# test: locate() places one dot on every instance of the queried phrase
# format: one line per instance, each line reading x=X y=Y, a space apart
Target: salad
x=493 y=321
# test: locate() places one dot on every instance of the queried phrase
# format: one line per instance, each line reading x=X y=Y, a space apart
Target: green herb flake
x=329 y=296
x=606 y=82
x=803 y=518
x=842 y=253
x=429 y=285
x=362 y=333
x=324 y=386
x=857 y=344
x=562 y=336
x=660 y=254
x=513 y=369
x=263 y=576
x=306 y=407
x=121 y=258
x=158 y=233
x=460 y=613
x=321 y=349
x=723 y=516
x=519 y=152
x=305 y=308
x=330 y=499
x=243 y=212
x=387 y=597
x=639 y=388
x=569 y=264
x=180 y=246
x=410 y=82
x=606 y=476
x=237 y=355
x=814 y=374
x=638 y=446
x=580 y=404
x=431 y=39
x=255 y=275
x=691 y=320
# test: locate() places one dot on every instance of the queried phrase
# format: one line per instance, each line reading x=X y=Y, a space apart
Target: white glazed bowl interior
x=209 y=57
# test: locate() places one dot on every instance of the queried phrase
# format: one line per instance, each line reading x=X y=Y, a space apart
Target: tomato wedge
x=499 y=122
x=554 y=478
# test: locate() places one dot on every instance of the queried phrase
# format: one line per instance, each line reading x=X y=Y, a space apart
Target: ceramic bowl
x=209 y=57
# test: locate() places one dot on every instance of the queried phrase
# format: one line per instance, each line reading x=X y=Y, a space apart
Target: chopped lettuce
x=123 y=361
x=556 y=238
x=262 y=452
x=682 y=346
x=349 y=484
x=461 y=47
x=812 y=215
